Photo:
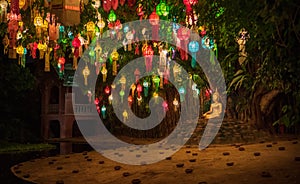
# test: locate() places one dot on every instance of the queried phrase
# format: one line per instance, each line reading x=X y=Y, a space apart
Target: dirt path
x=269 y=165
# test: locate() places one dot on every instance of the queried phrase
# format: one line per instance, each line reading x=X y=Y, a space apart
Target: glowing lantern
x=193 y=48
x=122 y=93
x=132 y=87
x=175 y=103
x=110 y=98
x=61 y=65
x=20 y=52
x=19 y=35
x=123 y=82
x=86 y=72
x=154 y=21
x=139 y=11
x=183 y=34
x=165 y=105
x=129 y=37
x=76 y=44
x=3 y=12
x=155 y=96
x=42 y=48
x=100 y=23
x=112 y=16
x=107 y=90
x=139 y=100
x=90 y=27
x=156 y=81
x=139 y=89
x=38 y=22
x=103 y=111
x=125 y=115
x=162 y=9
x=148 y=54
x=146 y=87
x=181 y=91
x=104 y=73
x=130 y=100
x=208 y=43
x=114 y=57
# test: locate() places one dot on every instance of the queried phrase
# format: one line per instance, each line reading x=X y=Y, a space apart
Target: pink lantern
x=165 y=106
x=76 y=44
x=154 y=21
x=148 y=54
x=183 y=34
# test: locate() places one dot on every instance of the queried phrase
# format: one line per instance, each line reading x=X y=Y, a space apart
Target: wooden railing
x=82 y=109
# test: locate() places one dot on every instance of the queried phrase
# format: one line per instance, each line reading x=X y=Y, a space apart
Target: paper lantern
x=139 y=100
x=129 y=37
x=146 y=87
x=38 y=22
x=148 y=54
x=76 y=44
x=130 y=100
x=156 y=81
x=155 y=96
x=122 y=93
x=110 y=99
x=182 y=91
x=154 y=21
x=3 y=12
x=176 y=104
x=139 y=89
x=162 y=9
x=107 y=90
x=125 y=116
x=20 y=52
x=90 y=27
x=139 y=11
x=114 y=57
x=112 y=17
x=103 y=111
x=86 y=72
x=42 y=48
x=183 y=34
x=132 y=87
x=193 y=48
x=100 y=23
x=104 y=73
x=123 y=82
x=165 y=106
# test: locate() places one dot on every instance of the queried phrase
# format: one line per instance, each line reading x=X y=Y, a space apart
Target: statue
x=215 y=108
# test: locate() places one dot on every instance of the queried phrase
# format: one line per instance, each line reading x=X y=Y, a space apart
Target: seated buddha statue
x=215 y=108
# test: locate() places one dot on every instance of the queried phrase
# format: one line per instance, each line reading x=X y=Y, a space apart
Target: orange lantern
x=154 y=21
x=114 y=57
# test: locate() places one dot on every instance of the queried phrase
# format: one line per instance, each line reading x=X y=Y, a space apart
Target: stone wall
x=231 y=131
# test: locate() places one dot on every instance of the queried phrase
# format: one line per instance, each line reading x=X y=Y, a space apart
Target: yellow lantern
x=20 y=52
x=38 y=22
x=90 y=27
x=42 y=48
x=114 y=57
x=104 y=73
x=86 y=72
x=47 y=59
x=125 y=115
x=133 y=87
x=22 y=3
x=123 y=82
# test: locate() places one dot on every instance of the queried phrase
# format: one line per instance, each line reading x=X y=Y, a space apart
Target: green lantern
x=112 y=17
x=162 y=9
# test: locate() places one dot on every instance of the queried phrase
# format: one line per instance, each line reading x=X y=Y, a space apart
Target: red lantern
x=131 y=3
x=139 y=89
x=183 y=34
x=76 y=44
x=148 y=54
x=130 y=100
x=107 y=90
x=107 y=4
x=61 y=64
x=154 y=21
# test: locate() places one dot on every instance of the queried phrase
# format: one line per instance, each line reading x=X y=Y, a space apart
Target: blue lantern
x=103 y=111
x=193 y=48
x=181 y=91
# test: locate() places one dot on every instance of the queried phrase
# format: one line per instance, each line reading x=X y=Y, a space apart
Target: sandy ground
x=210 y=166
